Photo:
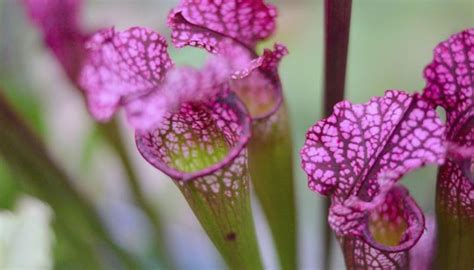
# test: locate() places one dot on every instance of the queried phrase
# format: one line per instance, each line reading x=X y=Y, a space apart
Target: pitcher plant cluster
x=357 y=155
x=222 y=130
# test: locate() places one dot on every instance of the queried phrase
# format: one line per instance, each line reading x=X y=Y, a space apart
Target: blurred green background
x=390 y=43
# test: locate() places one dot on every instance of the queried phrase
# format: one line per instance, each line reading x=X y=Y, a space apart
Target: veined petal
x=231 y=29
x=199 y=139
x=391 y=221
x=206 y=23
x=181 y=85
x=455 y=214
x=58 y=22
x=386 y=232
x=396 y=224
x=455 y=188
x=450 y=81
x=348 y=217
x=121 y=66
x=450 y=84
x=356 y=156
x=347 y=152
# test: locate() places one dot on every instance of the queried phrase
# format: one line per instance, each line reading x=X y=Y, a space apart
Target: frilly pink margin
x=347 y=155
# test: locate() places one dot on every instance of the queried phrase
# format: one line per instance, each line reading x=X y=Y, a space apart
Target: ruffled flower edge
x=121 y=66
x=206 y=24
x=358 y=154
x=450 y=85
x=345 y=153
x=233 y=30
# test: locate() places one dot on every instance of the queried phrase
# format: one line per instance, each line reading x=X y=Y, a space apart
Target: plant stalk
x=112 y=134
x=454 y=219
x=271 y=168
x=222 y=206
x=28 y=157
x=337 y=18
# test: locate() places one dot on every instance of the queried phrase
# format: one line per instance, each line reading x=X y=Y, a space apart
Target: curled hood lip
x=412 y=206
x=278 y=103
x=246 y=123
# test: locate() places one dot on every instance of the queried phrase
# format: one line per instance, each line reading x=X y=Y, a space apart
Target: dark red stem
x=337 y=19
x=337 y=23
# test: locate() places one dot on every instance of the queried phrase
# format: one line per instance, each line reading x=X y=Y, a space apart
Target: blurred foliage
x=90 y=145
x=9 y=187
x=26 y=104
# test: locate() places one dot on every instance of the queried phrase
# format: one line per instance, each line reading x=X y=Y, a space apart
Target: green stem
x=111 y=132
x=455 y=242
x=337 y=25
x=455 y=222
x=65 y=249
x=27 y=156
x=270 y=164
x=225 y=214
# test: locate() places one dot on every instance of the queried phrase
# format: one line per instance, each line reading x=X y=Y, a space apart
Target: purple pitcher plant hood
x=450 y=84
x=343 y=162
x=182 y=115
x=111 y=70
x=132 y=69
x=207 y=23
x=356 y=156
x=232 y=29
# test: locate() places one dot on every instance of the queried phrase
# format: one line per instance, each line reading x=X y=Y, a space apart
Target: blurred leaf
x=9 y=188
x=27 y=156
x=65 y=254
x=26 y=104
x=91 y=144
x=270 y=156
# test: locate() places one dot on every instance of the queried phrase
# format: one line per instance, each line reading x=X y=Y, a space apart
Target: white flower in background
x=26 y=237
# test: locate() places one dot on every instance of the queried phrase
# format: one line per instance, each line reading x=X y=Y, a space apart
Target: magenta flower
x=232 y=29
x=188 y=122
x=356 y=156
x=94 y=61
x=207 y=23
x=450 y=84
x=121 y=68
